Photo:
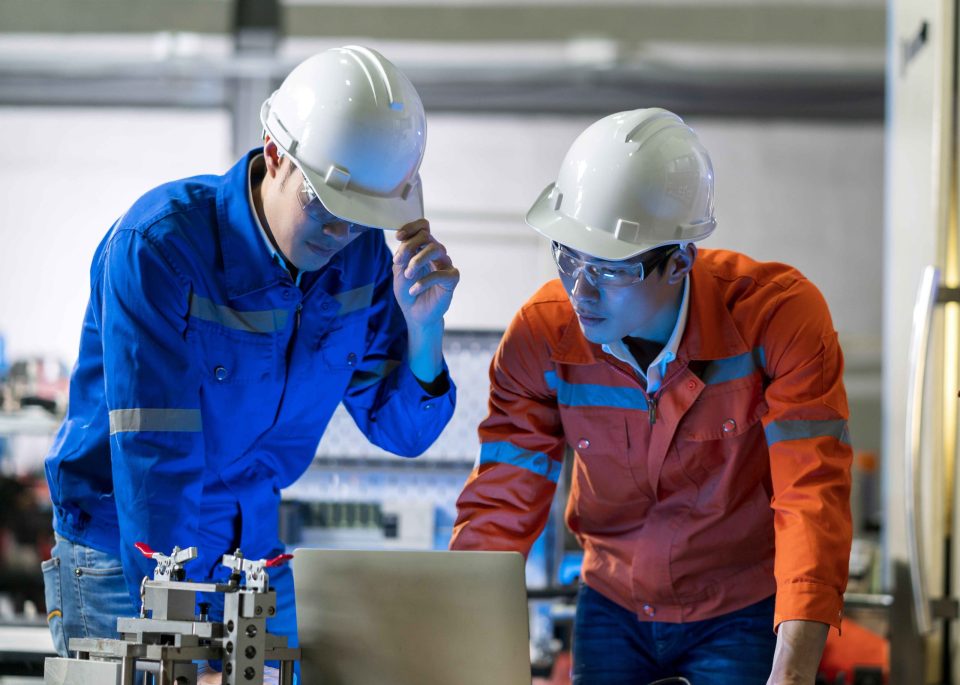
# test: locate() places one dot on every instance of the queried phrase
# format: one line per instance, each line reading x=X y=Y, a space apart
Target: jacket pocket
x=723 y=430
x=604 y=476
x=228 y=357
x=343 y=347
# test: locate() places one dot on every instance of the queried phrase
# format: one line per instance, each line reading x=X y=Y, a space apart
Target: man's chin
x=595 y=334
x=312 y=262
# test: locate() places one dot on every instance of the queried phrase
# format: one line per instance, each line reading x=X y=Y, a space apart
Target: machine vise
x=168 y=637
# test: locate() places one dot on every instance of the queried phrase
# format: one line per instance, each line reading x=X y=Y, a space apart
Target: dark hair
x=288 y=172
x=657 y=258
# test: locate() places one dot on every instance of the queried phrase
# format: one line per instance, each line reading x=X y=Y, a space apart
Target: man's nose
x=583 y=289
x=336 y=229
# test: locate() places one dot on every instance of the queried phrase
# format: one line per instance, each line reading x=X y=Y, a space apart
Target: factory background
x=102 y=100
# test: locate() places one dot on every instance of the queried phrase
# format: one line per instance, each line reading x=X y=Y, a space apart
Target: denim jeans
x=85 y=593
x=611 y=646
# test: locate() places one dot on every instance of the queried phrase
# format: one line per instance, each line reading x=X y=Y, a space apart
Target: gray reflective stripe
x=264 y=321
x=732 y=368
x=352 y=300
x=163 y=420
x=778 y=431
x=368 y=377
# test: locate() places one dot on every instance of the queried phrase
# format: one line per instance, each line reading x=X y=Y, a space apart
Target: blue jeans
x=611 y=646
x=85 y=593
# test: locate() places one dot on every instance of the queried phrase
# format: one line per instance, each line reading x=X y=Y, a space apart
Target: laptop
x=412 y=618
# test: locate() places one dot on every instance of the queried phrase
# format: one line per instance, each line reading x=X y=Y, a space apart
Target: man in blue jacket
x=228 y=317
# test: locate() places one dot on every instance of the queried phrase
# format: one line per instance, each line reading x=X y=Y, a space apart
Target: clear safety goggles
x=313 y=207
x=607 y=274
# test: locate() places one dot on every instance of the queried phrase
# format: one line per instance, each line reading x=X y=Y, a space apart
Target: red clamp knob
x=278 y=560
x=144 y=549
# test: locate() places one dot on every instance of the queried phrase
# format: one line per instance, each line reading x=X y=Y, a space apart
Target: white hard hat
x=355 y=126
x=631 y=182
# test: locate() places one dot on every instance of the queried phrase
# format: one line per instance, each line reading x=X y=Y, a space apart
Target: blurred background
x=101 y=100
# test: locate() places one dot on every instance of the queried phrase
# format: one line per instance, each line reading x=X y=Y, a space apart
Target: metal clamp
x=168 y=567
x=255 y=574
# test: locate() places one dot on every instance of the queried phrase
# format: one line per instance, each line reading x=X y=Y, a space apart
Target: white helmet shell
x=355 y=126
x=631 y=182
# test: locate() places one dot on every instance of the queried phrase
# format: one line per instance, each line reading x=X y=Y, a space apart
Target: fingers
x=446 y=279
x=409 y=230
x=433 y=252
x=411 y=244
x=419 y=249
x=420 y=253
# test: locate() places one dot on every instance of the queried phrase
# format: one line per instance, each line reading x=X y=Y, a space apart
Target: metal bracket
x=256 y=577
x=945 y=607
x=168 y=567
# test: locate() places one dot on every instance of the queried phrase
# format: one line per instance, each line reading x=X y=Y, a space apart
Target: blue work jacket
x=206 y=378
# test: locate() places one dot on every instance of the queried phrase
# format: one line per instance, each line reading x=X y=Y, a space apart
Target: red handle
x=276 y=561
x=144 y=549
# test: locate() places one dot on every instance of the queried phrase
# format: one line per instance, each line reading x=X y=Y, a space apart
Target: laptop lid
x=412 y=618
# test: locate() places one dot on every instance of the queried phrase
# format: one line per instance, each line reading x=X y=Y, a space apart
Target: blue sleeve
x=384 y=398
x=153 y=398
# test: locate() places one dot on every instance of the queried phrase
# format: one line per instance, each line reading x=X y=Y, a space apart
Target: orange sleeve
x=506 y=501
x=810 y=457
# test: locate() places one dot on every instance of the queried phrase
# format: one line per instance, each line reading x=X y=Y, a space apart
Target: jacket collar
x=710 y=331
x=247 y=263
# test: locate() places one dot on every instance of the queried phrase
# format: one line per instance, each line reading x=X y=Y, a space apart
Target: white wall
x=65 y=177
x=808 y=194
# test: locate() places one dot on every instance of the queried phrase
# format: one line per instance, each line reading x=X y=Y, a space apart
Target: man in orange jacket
x=702 y=394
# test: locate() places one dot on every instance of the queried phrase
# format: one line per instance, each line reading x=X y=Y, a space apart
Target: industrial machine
x=168 y=637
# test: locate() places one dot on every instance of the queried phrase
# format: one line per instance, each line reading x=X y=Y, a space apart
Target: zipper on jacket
x=296 y=325
x=651 y=399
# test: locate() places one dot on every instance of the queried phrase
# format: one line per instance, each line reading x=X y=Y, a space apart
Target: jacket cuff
x=426 y=401
x=807 y=601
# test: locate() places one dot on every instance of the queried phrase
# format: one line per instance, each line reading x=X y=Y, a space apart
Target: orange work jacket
x=738 y=489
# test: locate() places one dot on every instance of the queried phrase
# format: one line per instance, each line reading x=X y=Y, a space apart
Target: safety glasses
x=607 y=274
x=313 y=208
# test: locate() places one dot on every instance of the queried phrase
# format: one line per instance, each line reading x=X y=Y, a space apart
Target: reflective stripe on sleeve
x=368 y=377
x=354 y=300
x=264 y=321
x=732 y=368
x=508 y=453
x=779 y=431
x=160 y=420
x=550 y=378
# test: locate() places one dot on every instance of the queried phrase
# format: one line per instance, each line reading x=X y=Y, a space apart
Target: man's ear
x=271 y=155
x=680 y=263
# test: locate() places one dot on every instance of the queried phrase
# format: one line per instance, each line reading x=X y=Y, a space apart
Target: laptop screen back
x=412 y=618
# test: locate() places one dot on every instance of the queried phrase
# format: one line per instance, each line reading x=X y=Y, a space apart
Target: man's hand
x=271 y=676
x=210 y=678
x=799 y=650
x=424 y=277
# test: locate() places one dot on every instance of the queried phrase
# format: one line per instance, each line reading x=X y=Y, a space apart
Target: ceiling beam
x=116 y=16
x=741 y=22
x=756 y=22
